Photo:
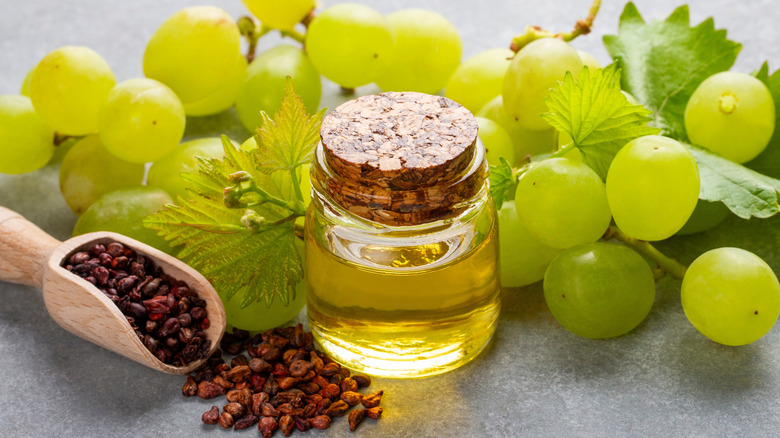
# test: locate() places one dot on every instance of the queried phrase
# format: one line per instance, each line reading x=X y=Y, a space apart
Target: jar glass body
x=401 y=301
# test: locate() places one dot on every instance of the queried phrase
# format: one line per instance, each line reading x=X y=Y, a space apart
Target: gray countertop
x=535 y=379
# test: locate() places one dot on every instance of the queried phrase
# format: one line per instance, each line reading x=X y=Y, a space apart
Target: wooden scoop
x=30 y=256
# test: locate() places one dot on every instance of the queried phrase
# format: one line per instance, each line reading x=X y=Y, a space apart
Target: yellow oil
x=409 y=311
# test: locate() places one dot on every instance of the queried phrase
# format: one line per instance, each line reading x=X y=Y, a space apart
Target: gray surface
x=535 y=379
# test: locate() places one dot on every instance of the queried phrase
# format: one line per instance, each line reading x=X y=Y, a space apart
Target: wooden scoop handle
x=24 y=249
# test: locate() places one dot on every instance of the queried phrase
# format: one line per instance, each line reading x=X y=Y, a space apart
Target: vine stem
x=532 y=33
x=296 y=184
x=294 y=34
x=667 y=264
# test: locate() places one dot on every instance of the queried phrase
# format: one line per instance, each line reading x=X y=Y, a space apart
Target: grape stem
x=294 y=34
x=667 y=264
x=296 y=184
x=252 y=30
x=532 y=33
x=59 y=139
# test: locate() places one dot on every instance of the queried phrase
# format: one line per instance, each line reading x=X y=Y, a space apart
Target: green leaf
x=597 y=115
x=768 y=162
x=249 y=252
x=664 y=61
x=502 y=183
x=745 y=192
x=288 y=141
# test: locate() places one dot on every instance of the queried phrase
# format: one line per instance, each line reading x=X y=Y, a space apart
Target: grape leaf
x=288 y=142
x=664 y=61
x=596 y=115
x=745 y=192
x=502 y=183
x=768 y=162
x=236 y=223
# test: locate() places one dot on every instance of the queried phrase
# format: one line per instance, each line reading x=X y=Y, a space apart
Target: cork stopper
x=401 y=158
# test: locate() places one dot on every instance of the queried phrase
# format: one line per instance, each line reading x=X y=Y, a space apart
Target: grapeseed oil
x=401 y=250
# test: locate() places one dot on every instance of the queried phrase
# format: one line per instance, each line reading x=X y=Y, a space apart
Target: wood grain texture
x=30 y=256
x=24 y=249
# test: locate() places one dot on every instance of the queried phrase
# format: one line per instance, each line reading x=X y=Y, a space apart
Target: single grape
x=479 y=79
x=141 y=121
x=731 y=296
x=527 y=142
x=599 y=290
x=705 y=216
x=562 y=203
x=652 y=187
x=426 y=52
x=731 y=114
x=589 y=61
x=535 y=70
x=347 y=43
x=26 y=143
x=89 y=171
x=123 y=211
x=223 y=97
x=68 y=87
x=25 y=90
x=166 y=172
x=279 y=14
x=258 y=316
x=193 y=52
x=523 y=258
x=496 y=140
x=263 y=88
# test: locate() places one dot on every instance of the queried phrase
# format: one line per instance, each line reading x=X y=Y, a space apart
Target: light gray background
x=535 y=379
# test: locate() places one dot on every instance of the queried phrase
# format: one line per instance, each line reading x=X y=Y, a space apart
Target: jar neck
x=394 y=206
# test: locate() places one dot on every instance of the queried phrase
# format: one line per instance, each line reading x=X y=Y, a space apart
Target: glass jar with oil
x=401 y=237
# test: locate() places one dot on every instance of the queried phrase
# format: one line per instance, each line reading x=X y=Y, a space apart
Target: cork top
x=399 y=140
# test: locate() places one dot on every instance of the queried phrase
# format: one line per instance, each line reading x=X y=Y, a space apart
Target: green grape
x=652 y=187
x=123 y=211
x=731 y=296
x=26 y=143
x=279 y=14
x=496 y=140
x=705 y=216
x=562 y=203
x=263 y=89
x=258 y=316
x=426 y=52
x=166 y=172
x=347 y=43
x=523 y=258
x=193 y=52
x=89 y=171
x=535 y=70
x=599 y=290
x=589 y=61
x=479 y=79
x=527 y=142
x=68 y=87
x=141 y=121
x=223 y=97
x=732 y=114
x=25 y=90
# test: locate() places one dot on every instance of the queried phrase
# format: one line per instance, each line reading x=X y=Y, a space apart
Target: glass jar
x=402 y=262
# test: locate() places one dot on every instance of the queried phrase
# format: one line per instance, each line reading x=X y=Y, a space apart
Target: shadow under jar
x=401 y=237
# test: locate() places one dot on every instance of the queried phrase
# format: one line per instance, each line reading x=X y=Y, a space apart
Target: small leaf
x=597 y=115
x=663 y=62
x=745 y=192
x=502 y=183
x=288 y=140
